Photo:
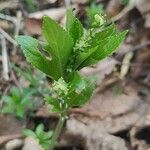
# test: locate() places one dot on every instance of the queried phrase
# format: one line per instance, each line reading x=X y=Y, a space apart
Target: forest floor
x=118 y=115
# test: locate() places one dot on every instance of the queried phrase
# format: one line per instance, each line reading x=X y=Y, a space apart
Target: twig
x=125 y=68
x=8 y=37
x=137 y=47
x=4 y=58
x=17 y=28
x=129 y=7
x=67 y=3
x=8 y=18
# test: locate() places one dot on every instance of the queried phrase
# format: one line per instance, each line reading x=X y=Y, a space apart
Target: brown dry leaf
x=9 y=125
x=33 y=24
x=111 y=104
x=144 y=7
x=137 y=134
x=114 y=113
x=113 y=8
x=142 y=59
x=103 y=68
x=31 y=144
x=4 y=139
x=95 y=137
x=14 y=144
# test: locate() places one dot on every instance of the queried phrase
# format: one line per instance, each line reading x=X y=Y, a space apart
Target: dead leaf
x=9 y=125
x=138 y=137
x=95 y=138
x=114 y=113
x=103 y=68
x=113 y=8
x=33 y=26
x=33 y=23
x=32 y=144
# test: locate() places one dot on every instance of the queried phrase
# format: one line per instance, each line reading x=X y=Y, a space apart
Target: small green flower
x=60 y=87
x=99 y=20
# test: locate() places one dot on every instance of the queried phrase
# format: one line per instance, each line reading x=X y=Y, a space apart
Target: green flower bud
x=99 y=19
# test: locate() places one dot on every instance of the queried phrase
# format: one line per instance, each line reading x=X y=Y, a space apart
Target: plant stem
x=57 y=132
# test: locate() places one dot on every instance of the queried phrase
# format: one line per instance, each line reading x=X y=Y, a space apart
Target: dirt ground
x=118 y=115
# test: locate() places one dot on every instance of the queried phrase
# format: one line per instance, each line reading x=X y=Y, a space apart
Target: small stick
x=67 y=3
x=17 y=28
x=129 y=7
x=8 y=37
x=4 y=58
x=8 y=18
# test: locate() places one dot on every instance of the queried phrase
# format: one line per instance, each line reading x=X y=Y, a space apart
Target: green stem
x=57 y=132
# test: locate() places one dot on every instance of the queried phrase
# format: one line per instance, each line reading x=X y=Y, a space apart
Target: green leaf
x=40 y=131
x=103 y=34
x=29 y=133
x=94 y=44
x=6 y=99
x=55 y=103
x=30 y=49
x=73 y=26
x=80 y=91
x=105 y=48
x=20 y=111
x=48 y=135
x=16 y=94
x=60 y=45
x=8 y=109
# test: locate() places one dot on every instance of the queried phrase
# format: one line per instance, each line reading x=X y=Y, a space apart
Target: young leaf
x=40 y=131
x=29 y=133
x=105 y=48
x=80 y=91
x=60 y=45
x=73 y=26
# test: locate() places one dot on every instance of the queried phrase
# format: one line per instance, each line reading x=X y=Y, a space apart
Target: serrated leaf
x=94 y=43
x=80 y=91
x=105 y=48
x=60 y=45
x=73 y=26
x=101 y=35
x=30 y=49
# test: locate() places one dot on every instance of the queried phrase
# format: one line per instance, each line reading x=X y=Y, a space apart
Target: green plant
x=18 y=102
x=40 y=135
x=63 y=53
x=92 y=10
x=36 y=80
